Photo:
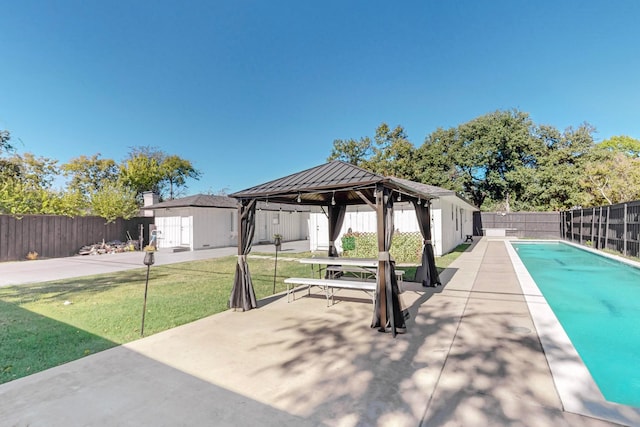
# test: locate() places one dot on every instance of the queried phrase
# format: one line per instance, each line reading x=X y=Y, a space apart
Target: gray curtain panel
x=242 y=294
x=427 y=273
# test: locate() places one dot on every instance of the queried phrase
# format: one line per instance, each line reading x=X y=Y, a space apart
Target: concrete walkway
x=22 y=272
x=470 y=357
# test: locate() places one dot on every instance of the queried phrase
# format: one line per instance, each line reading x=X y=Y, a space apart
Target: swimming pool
x=597 y=301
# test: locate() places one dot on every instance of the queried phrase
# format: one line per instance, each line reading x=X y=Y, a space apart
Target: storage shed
x=204 y=221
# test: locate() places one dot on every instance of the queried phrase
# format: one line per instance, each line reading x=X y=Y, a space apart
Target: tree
x=393 y=153
x=150 y=169
x=89 y=174
x=141 y=171
x=437 y=160
x=26 y=185
x=623 y=144
x=489 y=158
x=114 y=200
x=610 y=177
x=503 y=161
x=175 y=171
x=390 y=154
x=5 y=145
x=555 y=185
x=32 y=171
x=18 y=198
x=351 y=151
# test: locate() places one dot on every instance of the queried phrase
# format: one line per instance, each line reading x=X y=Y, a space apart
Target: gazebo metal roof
x=336 y=181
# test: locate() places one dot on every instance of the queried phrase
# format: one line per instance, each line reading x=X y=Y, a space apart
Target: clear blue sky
x=250 y=91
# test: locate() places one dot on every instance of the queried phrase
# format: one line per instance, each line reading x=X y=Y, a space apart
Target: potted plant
x=349 y=241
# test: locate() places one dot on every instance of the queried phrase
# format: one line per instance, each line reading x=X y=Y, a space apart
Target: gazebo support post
x=381 y=304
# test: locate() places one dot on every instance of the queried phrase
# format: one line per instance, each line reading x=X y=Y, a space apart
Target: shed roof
x=198 y=200
x=225 y=202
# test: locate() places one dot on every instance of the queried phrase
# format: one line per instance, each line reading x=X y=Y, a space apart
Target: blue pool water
x=597 y=301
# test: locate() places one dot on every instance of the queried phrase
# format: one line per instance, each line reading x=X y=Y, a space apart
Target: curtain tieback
x=242 y=258
x=427 y=242
x=384 y=256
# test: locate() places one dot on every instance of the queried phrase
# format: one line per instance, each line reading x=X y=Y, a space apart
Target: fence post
x=606 y=228
x=593 y=224
x=571 y=223
x=624 y=231
x=580 y=230
x=599 y=228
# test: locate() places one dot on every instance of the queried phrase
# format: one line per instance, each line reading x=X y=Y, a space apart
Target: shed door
x=185 y=230
x=261 y=226
x=322 y=232
x=168 y=229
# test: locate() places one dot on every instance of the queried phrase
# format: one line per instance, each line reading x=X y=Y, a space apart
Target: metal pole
x=274 y=271
x=593 y=226
x=599 y=228
x=571 y=224
x=624 y=233
x=606 y=228
x=581 y=224
x=144 y=306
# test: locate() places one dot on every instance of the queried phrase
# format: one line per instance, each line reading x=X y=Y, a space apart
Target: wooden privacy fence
x=518 y=224
x=615 y=227
x=53 y=236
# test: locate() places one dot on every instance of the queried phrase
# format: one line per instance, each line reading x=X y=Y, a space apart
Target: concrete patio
x=470 y=357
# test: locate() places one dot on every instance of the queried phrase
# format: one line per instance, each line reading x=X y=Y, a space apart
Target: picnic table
x=363 y=268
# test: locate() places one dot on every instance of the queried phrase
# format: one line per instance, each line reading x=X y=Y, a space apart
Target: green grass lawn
x=48 y=324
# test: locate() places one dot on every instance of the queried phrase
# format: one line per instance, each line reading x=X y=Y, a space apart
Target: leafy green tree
x=555 y=185
x=27 y=183
x=351 y=151
x=622 y=143
x=437 y=160
x=32 y=171
x=88 y=174
x=69 y=203
x=150 y=169
x=114 y=200
x=392 y=153
x=141 y=171
x=610 y=177
x=18 y=198
x=175 y=172
x=489 y=158
x=503 y=161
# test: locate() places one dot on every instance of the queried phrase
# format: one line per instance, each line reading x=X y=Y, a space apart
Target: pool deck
x=471 y=357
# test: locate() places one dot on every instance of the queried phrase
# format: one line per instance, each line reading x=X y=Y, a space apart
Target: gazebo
x=334 y=186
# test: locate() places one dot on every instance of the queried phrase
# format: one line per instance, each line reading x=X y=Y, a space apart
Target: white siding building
x=205 y=221
x=451 y=222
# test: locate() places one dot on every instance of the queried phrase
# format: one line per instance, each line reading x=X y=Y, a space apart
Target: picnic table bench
x=361 y=272
x=330 y=286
